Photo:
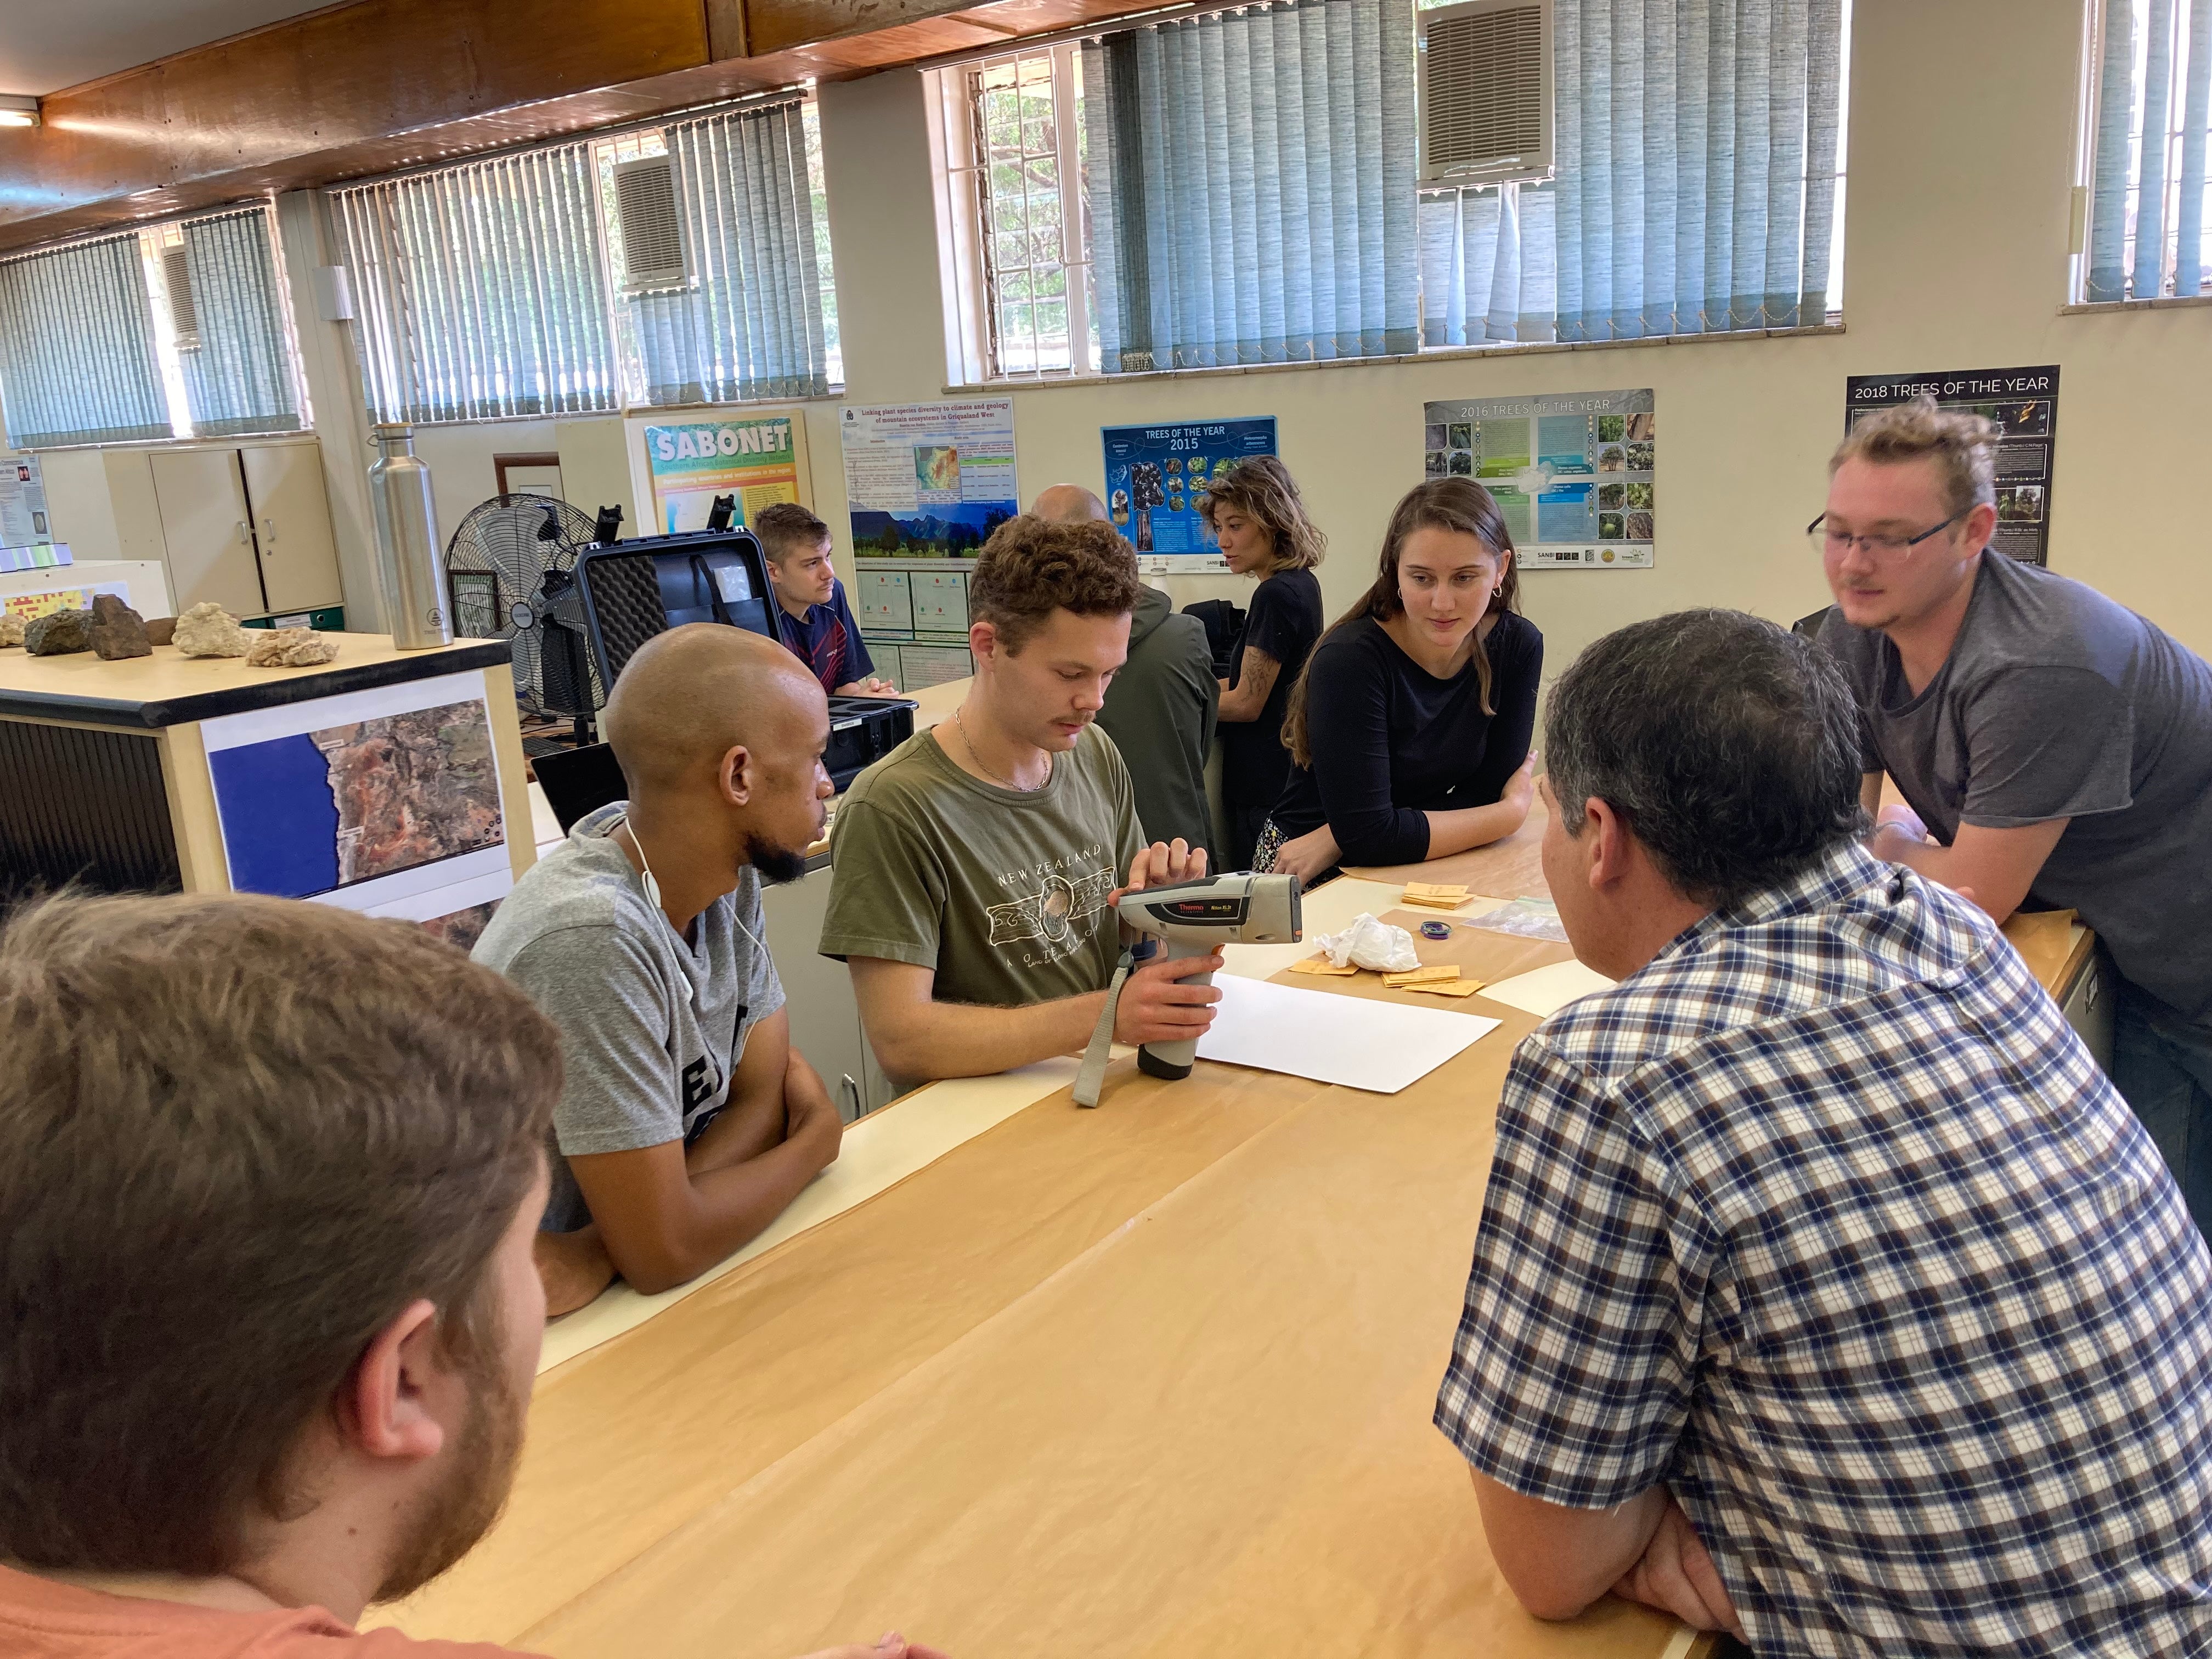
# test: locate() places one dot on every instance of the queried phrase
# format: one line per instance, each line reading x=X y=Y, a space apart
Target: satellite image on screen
x=326 y=808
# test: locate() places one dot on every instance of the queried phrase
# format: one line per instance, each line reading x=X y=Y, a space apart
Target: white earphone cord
x=650 y=884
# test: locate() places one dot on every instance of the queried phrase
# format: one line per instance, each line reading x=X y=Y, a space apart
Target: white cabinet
x=207 y=530
x=825 y=1018
x=291 y=521
x=247 y=526
x=2088 y=1009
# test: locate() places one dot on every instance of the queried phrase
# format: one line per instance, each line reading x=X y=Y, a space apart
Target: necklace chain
x=975 y=755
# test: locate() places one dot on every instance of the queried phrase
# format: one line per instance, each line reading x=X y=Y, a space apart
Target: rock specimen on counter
x=290 y=647
x=117 y=630
x=11 y=629
x=161 y=630
x=208 y=631
x=58 y=632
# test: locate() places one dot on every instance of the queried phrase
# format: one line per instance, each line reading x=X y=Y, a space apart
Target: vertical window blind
x=77 y=360
x=481 y=289
x=1252 y=186
x=2148 y=179
x=238 y=373
x=1698 y=146
x=750 y=324
x=1489 y=265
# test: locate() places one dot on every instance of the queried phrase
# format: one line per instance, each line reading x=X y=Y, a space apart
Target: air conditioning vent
x=652 y=229
x=1486 y=92
x=184 y=310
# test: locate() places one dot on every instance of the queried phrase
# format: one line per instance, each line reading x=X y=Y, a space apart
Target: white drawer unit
x=825 y=1016
x=924 y=665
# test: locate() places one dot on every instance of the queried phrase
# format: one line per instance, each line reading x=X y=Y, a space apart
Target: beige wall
x=1956 y=220
x=1956 y=217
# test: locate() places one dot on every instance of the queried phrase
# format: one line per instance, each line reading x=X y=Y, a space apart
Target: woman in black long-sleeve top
x=1409 y=730
x=1260 y=519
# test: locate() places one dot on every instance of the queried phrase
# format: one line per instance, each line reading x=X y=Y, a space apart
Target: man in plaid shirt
x=1826 y=1291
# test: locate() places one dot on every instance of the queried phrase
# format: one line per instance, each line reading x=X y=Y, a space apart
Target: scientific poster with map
x=1575 y=474
x=2024 y=404
x=23 y=520
x=758 y=460
x=926 y=480
x=386 y=801
x=1156 y=478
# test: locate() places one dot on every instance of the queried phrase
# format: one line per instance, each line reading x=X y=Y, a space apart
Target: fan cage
x=499 y=540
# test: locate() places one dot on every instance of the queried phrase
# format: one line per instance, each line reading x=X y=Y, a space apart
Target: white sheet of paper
x=1544 y=991
x=1263 y=961
x=1379 y=1046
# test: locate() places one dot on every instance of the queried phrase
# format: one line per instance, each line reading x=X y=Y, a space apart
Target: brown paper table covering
x=1507 y=869
x=1151 y=1380
x=2054 y=945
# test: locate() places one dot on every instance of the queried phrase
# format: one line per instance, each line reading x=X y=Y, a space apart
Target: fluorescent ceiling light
x=18 y=111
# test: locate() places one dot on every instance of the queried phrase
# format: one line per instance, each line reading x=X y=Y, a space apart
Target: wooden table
x=1151 y=1380
x=1510 y=868
x=2061 y=952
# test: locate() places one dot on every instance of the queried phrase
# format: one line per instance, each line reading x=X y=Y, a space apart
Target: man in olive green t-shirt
x=976 y=865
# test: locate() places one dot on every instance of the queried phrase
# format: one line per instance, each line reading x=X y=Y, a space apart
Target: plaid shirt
x=1826 y=1220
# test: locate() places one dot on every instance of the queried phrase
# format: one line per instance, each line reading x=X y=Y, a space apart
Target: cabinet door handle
x=245 y=531
x=268 y=534
x=851 y=1091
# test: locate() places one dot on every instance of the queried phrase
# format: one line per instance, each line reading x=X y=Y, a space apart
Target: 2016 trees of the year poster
x=1574 y=474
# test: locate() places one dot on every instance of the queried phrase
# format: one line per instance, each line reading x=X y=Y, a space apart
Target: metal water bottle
x=408 y=550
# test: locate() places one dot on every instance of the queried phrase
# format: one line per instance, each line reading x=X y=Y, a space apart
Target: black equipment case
x=634 y=590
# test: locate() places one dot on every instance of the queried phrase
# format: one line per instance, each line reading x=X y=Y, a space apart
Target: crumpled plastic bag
x=1368 y=942
x=1523 y=920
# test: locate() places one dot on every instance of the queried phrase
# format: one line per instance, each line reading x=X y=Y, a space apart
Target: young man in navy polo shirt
x=811 y=615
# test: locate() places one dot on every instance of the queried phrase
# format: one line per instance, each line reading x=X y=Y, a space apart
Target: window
x=482 y=289
x=1247 y=189
x=1696 y=184
x=232 y=333
x=2150 y=96
x=1254 y=174
x=751 y=315
x=178 y=331
x=511 y=286
x=1014 y=146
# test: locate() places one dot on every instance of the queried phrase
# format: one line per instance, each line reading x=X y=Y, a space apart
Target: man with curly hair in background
x=976 y=863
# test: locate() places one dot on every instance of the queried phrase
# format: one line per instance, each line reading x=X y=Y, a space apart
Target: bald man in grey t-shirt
x=687 y=1122
x=653 y=1024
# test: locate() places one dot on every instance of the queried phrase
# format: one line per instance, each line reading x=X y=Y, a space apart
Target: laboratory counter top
x=1015 y=1377
x=170 y=689
x=1152 y=1381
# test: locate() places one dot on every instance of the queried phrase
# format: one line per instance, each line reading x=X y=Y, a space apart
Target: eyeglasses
x=1826 y=541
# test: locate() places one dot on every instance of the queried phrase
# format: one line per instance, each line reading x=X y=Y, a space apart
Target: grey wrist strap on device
x=1093 y=1074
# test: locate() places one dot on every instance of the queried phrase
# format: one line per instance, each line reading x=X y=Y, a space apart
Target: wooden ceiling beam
x=375 y=86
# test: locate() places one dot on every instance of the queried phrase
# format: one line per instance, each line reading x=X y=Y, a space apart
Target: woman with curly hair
x=1260 y=519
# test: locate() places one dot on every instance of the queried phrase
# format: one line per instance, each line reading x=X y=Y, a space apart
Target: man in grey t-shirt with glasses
x=2052 y=747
